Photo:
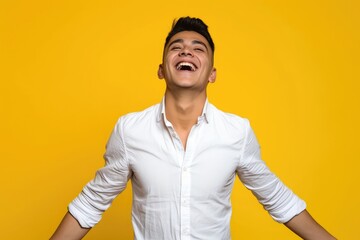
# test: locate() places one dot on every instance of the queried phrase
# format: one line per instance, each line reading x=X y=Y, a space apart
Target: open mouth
x=186 y=66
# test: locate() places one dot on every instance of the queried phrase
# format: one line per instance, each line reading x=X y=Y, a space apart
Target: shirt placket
x=184 y=160
x=186 y=184
x=185 y=198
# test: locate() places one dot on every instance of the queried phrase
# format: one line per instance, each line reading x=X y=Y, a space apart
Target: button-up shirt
x=182 y=194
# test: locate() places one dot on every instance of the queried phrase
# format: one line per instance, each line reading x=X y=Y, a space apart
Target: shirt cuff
x=296 y=209
x=85 y=218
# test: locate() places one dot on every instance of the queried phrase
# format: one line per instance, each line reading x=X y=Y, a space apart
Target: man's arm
x=69 y=229
x=307 y=228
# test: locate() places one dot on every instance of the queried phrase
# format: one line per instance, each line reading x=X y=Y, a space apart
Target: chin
x=185 y=83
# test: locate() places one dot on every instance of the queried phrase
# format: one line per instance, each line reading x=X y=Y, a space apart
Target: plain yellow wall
x=69 y=69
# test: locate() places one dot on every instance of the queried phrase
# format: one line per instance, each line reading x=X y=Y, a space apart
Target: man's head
x=188 y=56
x=190 y=24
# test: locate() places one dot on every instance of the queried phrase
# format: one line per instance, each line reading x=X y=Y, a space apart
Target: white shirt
x=177 y=194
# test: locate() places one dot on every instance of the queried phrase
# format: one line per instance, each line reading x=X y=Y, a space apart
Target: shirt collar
x=205 y=115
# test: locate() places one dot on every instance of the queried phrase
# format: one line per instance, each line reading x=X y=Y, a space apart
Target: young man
x=182 y=156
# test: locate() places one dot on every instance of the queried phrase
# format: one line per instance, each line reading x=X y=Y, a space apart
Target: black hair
x=190 y=24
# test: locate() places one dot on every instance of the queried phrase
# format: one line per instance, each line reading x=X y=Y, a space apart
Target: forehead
x=190 y=36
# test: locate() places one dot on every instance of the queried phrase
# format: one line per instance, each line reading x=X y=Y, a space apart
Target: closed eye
x=175 y=48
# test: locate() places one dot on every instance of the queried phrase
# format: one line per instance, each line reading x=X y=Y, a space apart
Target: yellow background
x=69 y=69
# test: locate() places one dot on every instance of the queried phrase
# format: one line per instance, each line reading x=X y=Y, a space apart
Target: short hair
x=190 y=24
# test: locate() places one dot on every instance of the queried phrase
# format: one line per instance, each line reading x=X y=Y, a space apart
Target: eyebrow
x=180 y=40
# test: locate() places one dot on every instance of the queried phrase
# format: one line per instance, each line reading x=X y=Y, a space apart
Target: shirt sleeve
x=108 y=182
x=281 y=203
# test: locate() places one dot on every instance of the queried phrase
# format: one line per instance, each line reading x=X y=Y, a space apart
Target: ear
x=212 y=76
x=160 y=72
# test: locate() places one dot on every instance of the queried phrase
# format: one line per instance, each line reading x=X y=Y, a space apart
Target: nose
x=185 y=52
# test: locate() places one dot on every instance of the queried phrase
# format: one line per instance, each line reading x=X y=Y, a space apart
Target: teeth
x=183 y=65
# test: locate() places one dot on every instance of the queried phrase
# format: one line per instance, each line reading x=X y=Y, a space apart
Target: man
x=182 y=156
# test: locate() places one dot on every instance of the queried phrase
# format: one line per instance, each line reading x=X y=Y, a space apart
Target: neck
x=183 y=109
